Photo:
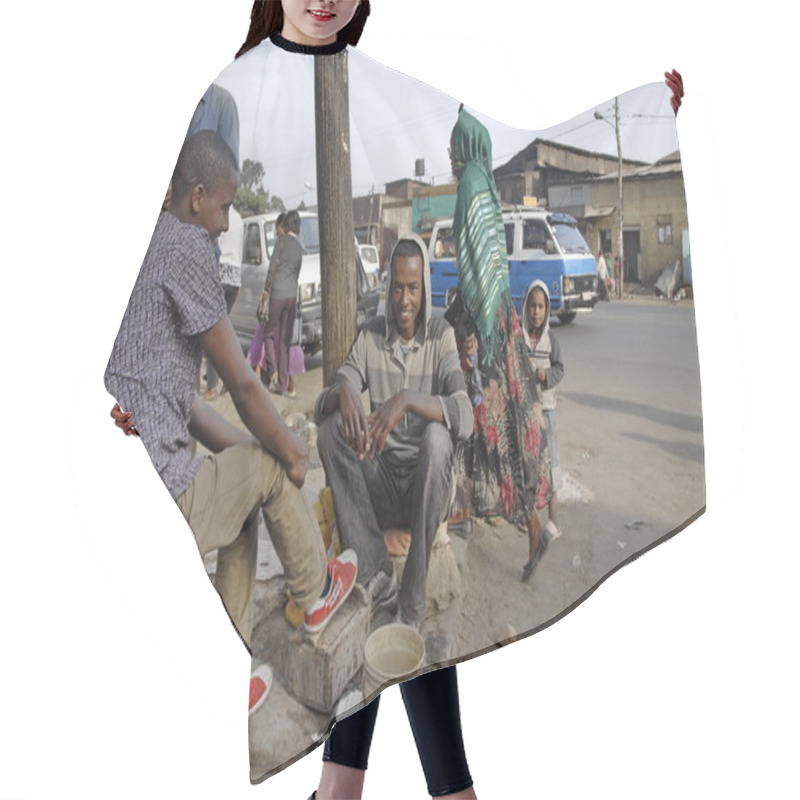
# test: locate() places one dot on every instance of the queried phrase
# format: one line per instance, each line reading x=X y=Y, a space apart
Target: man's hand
x=296 y=465
x=210 y=428
x=252 y=402
x=354 y=420
x=382 y=422
x=541 y=374
x=469 y=346
x=124 y=420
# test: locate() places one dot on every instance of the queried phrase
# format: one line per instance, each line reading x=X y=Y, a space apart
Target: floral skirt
x=505 y=465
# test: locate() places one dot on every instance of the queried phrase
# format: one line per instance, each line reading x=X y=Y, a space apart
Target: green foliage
x=251 y=176
x=252 y=198
x=275 y=203
x=248 y=203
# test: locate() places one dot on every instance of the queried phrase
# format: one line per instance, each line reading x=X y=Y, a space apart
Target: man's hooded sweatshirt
x=376 y=363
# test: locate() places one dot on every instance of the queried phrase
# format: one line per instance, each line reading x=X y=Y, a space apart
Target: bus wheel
x=567 y=317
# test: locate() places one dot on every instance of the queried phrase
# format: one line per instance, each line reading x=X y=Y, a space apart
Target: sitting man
x=395 y=468
x=176 y=311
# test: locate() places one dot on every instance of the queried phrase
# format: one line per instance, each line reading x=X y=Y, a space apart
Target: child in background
x=545 y=358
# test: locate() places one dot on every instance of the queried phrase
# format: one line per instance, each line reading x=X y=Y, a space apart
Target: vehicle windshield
x=444 y=246
x=309 y=234
x=569 y=238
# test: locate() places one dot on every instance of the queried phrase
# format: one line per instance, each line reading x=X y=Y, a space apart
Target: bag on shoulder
x=262 y=312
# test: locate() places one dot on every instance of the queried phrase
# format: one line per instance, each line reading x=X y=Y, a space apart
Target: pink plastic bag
x=297 y=360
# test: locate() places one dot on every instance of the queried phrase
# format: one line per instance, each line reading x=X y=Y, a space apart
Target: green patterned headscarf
x=478 y=228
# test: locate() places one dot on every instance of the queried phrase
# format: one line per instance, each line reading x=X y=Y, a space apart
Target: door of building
x=631 y=243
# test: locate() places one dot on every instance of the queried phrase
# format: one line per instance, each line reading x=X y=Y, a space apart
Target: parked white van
x=259 y=239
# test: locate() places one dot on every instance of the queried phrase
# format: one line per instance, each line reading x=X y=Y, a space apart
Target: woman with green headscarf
x=507 y=459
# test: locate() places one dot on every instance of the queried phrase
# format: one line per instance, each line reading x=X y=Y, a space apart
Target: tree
x=252 y=198
x=276 y=203
x=248 y=203
x=251 y=176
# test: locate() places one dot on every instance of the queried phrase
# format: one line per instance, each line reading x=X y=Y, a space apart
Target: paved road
x=629 y=408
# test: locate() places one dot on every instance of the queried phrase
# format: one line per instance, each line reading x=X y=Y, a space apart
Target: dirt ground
x=612 y=507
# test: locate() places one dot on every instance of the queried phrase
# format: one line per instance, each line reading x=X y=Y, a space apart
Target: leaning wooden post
x=335 y=200
x=620 y=215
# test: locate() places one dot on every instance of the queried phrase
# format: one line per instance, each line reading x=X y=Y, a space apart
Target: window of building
x=665 y=229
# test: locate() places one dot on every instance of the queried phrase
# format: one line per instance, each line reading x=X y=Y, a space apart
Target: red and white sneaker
x=343 y=577
x=260 y=685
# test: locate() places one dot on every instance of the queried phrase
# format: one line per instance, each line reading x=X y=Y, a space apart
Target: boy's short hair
x=204 y=159
x=407 y=248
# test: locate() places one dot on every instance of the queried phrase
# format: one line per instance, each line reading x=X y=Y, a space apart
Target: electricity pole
x=620 y=218
x=620 y=243
x=335 y=200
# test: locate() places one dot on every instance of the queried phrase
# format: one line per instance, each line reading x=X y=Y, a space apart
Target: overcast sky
x=395 y=119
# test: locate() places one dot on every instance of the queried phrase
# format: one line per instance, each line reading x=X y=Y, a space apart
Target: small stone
x=507 y=634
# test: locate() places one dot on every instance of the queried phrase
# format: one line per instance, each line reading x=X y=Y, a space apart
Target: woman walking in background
x=256 y=351
x=281 y=283
x=507 y=459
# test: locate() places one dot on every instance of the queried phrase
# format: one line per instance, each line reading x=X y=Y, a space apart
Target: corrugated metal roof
x=516 y=163
x=660 y=169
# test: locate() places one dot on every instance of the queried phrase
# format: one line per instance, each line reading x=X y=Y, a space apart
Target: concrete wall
x=396 y=219
x=512 y=188
x=559 y=197
x=646 y=203
x=433 y=202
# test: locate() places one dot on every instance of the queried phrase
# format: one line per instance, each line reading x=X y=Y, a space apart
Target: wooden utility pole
x=620 y=243
x=335 y=201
